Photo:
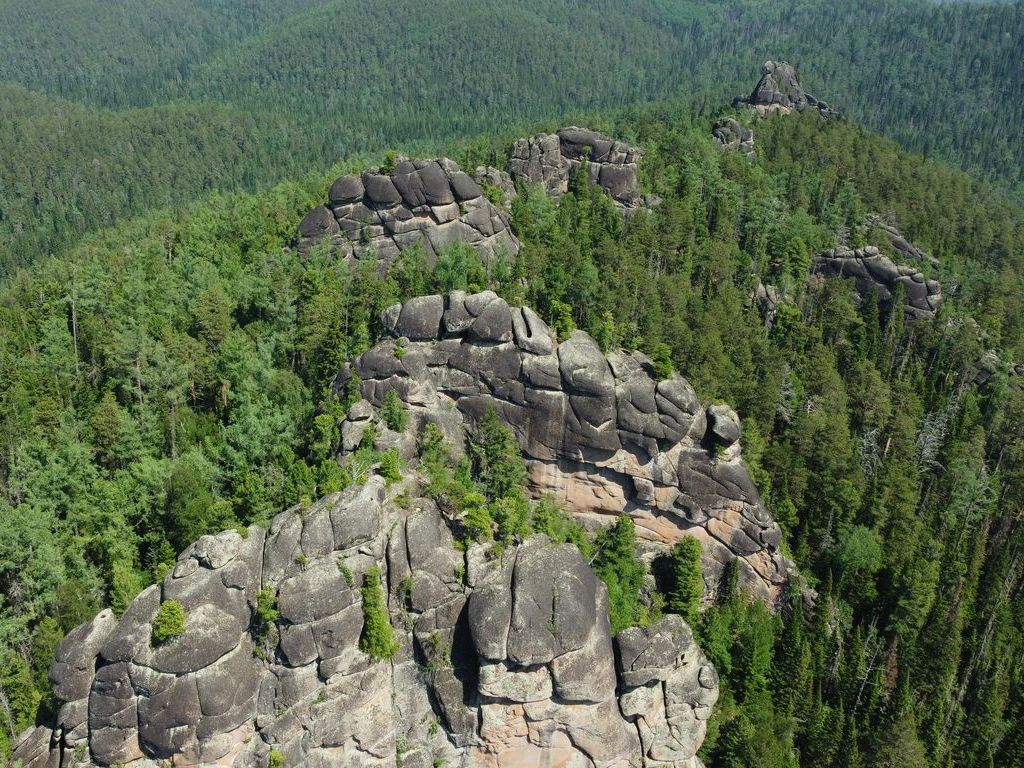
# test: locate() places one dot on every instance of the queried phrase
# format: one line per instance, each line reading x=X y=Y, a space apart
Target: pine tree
x=377 y=639
x=686 y=579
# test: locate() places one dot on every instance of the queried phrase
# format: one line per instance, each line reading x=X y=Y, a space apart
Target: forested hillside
x=169 y=377
x=299 y=85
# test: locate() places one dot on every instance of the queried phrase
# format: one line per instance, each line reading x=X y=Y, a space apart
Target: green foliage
x=393 y=412
x=275 y=759
x=619 y=567
x=390 y=466
x=377 y=639
x=266 y=606
x=476 y=518
x=554 y=522
x=169 y=622
x=496 y=458
x=686 y=579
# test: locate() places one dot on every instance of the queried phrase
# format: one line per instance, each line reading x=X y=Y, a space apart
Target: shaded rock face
x=504 y=661
x=874 y=272
x=427 y=202
x=779 y=90
x=905 y=249
x=730 y=134
x=600 y=433
x=551 y=158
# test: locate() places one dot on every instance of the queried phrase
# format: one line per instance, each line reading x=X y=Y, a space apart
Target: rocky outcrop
x=779 y=90
x=874 y=272
x=551 y=158
x=904 y=249
x=601 y=433
x=730 y=134
x=432 y=203
x=504 y=660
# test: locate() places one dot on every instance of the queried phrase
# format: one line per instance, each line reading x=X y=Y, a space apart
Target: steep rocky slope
x=503 y=661
x=601 y=433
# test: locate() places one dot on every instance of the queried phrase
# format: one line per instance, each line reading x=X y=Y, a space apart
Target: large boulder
x=550 y=159
x=428 y=204
x=508 y=662
x=873 y=272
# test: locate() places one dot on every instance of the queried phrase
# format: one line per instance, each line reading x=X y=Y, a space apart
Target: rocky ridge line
x=428 y=202
x=434 y=203
x=600 y=433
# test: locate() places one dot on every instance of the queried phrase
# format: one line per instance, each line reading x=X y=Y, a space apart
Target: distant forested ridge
x=100 y=97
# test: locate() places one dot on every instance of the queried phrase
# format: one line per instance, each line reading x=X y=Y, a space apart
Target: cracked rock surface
x=551 y=158
x=730 y=134
x=432 y=203
x=504 y=660
x=873 y=271
x=779 y=90
x=599 y=432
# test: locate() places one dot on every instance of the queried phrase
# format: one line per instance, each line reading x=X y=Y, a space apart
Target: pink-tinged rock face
x=598 y=432
x=502 y=660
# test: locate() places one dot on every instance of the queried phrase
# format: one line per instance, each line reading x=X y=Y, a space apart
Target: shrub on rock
x=169 y=622
x=378 y=638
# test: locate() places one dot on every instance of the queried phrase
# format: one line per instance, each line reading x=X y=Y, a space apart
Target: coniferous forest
x=114 y=109
x=166 y=352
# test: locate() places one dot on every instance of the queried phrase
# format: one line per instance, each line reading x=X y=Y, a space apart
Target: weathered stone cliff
x=379 y=213
x=779 y=90
x=874 y=272
x=601 y=433
x=504 y=661
x=427 y=202
x=551 y=159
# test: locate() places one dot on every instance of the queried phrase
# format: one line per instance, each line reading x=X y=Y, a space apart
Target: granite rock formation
x=428 y=202
x=903 y=248
x=874 y=272
x=600 y=433
x=504 y=660
x=730 y=134
x=779 y=90
x=434 y=203
x=551 y=158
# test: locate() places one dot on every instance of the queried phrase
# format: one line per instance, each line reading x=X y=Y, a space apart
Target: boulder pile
x=779 y=90
x=432 y=203
x=551 y=159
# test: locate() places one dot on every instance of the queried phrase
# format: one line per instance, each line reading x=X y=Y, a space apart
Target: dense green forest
x=98 y=100
x=169 y=377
